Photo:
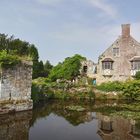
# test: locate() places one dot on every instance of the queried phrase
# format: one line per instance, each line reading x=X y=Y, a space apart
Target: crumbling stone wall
x=15 y=86
x=90 y=67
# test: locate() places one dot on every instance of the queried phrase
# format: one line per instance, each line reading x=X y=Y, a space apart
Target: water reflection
x=15 y=126
x=53 y=122
x=117 y=128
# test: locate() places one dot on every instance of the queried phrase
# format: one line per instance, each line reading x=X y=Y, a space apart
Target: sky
x=62 y=28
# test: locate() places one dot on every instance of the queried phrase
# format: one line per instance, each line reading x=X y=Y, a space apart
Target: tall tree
x=47 y=68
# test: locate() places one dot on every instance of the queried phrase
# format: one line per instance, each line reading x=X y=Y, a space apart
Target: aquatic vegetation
x=129 y=111
x=127 y=114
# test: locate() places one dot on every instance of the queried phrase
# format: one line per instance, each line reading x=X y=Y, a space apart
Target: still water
x=52 y=121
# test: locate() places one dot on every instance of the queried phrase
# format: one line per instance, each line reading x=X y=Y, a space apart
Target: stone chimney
x=125 y=30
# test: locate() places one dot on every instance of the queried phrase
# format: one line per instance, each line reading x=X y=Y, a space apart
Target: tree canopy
x=14 y=50
x=17 y=47
x=69 y=69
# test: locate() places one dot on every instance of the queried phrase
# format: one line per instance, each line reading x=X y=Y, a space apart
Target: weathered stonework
x=120 y=57
x=15 y=87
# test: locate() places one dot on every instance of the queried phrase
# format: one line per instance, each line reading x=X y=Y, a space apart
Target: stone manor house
x=119 y=62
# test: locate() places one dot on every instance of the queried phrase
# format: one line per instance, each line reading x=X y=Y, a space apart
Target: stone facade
x=88 y=68
x=120 y=61
x=15 y=87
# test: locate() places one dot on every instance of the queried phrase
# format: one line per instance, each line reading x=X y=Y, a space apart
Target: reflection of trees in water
x=73 y=117
x=117 y=128
x=15 y=126
x=59 y=108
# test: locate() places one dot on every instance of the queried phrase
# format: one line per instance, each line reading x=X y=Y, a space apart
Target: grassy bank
x=44 y=89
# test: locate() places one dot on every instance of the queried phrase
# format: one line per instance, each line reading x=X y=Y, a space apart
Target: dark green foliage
x=47 y=68
x=129 y=89
x=38 y=69
x=132 y=90
x=13 y=50
x=111 y=86
x=16 y=46
x=137 y=76
x=41 y=70
x=69 y=69
x=33 y=53
x=38 y=95
x=7 y=60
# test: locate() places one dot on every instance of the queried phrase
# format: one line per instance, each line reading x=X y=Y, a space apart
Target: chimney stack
x=125 y=30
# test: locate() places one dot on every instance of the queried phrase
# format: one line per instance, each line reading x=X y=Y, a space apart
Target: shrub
x=131 y=90
x=8 y=59
x=137 y=76
x=111 y=86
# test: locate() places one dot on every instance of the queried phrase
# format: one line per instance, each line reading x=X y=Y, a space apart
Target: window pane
x=135 y=65
x=116 y=51
x=107 y=65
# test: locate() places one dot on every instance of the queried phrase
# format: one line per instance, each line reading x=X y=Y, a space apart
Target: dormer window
x=116 y=52
x=107 y=63
x=135 y=63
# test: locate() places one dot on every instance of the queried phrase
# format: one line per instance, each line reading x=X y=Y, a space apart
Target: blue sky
x=62 y=28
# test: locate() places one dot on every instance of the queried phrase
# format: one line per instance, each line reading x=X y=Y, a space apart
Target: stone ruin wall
x=15 y=87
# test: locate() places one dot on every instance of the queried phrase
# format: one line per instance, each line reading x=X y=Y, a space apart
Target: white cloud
x=105 y=7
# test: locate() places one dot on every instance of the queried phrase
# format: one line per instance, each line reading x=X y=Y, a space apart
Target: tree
x=47 y=68
x=16 y=48
x=38 y=69
x=33 y=53
x=69 y=69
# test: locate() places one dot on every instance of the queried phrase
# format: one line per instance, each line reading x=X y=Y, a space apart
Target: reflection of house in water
x=135 y=129
x=117 y=128
x=16 y=126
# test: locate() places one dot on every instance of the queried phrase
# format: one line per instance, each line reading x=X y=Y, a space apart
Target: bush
x=137 y=76
x=110 y=86
x=8 y=59
x=131 y=90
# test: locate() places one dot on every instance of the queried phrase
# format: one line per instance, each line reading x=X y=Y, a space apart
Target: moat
x=52 y=121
